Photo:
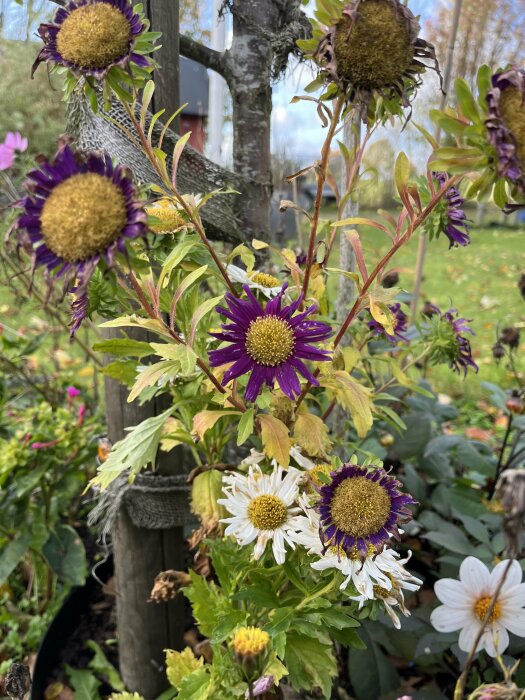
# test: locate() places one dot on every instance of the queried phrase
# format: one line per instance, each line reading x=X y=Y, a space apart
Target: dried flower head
x=167 y=584
x=372 y=49
x=510 y=336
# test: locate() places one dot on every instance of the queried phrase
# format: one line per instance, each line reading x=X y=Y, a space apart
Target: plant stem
x=148 y=151
x=398 y=243
x=462 y=680
x=321 y=179
x=500 y=459
x=306 y=601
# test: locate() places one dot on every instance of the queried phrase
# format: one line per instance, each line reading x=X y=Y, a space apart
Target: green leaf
x=186 y=284
x=66 y=555
x=196 y=686
x=102 y=666
x=13 y=553
x=205 y=602
x=402 y=172
x=176 y=256
x=124 y=347
x=84 y=684
x=124 y=371
x=134 y=452
x=371 y=673
x=454 y=542
x=311 y=663
x=466 y=101
x=245 y=428
x=200 y=312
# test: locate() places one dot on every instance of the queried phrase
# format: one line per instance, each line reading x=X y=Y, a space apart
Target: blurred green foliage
x=29 y=106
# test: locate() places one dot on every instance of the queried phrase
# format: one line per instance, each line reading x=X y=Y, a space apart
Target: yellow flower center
x=250 y=640
x=265 y=280
x=375 y=50
x=267 y=512
x=82 y=216
x=170 y=217
x=314 y=474
x=481 y=607
x=512 y=109
x=381 y=593
x=359 y=506
x=94 y=36
x=269 y=340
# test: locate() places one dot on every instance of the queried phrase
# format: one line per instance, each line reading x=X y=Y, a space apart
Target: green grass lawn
x=481 y=281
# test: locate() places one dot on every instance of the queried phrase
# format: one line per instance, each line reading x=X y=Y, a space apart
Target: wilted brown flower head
x=510 y=336
x=390 y=279
x=17 y=682
x=167 y=584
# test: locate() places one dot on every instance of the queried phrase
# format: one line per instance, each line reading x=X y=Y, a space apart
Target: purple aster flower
x=360 y=508
x=77 y=213
x=400 y=325
x=454 y=220
x=270 y=343
x=91 y=36
x=445 y=332
x=506 y=106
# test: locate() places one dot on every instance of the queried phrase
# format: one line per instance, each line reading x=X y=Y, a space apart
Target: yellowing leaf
x=205 y=420
x=311 y=433
x=205 y=490
x=259 y=245
x=351 y=357
x=150 y=376
x=353 y=397
x=382 y=314
x=275 y=440
x=180 y=665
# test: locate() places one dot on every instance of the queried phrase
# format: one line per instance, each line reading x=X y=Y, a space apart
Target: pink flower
x=81 y=414
x=15 y=141
x=43 y=445
x=73 y=391
x=7 y=157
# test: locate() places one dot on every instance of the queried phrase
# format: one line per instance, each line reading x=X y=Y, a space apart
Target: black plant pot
x=64 y=624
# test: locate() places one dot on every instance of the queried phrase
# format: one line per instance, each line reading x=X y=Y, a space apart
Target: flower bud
x=250 y=648
x=386 y=440
x=429 y=309
x=498 y=351
x=391 y=279
x=515 y=404
x=510 y=336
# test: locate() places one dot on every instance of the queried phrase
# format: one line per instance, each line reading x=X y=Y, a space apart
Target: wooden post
x=146 y=629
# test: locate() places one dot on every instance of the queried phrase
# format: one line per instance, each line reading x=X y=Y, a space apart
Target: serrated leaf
x=353 y=396
x=180 y=665
x=84 y=683
x=134 y=452
x=245 y=428
x=150 y=376
x=205 y=420
x=310 y=662
x=180 y=353
x=275 y=439
x=124 y=347
x=311 y=434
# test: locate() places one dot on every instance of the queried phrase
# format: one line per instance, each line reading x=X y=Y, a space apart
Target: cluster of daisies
x=344 y=519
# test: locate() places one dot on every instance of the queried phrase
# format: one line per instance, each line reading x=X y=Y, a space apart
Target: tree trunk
x=250 y=66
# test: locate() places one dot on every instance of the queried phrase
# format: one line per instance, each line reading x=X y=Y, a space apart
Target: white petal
x=446 y=619
x=468 y=635
x=515 y=597
x=475 y=576
x=452 y=593
x=513 y=577
x=260 y=545
x=514 y=621
x=495 y=640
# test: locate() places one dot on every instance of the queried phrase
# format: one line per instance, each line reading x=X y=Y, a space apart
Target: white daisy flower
x=267 y=284
x=262 y=509
x=465 y=604
x=384 y=569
